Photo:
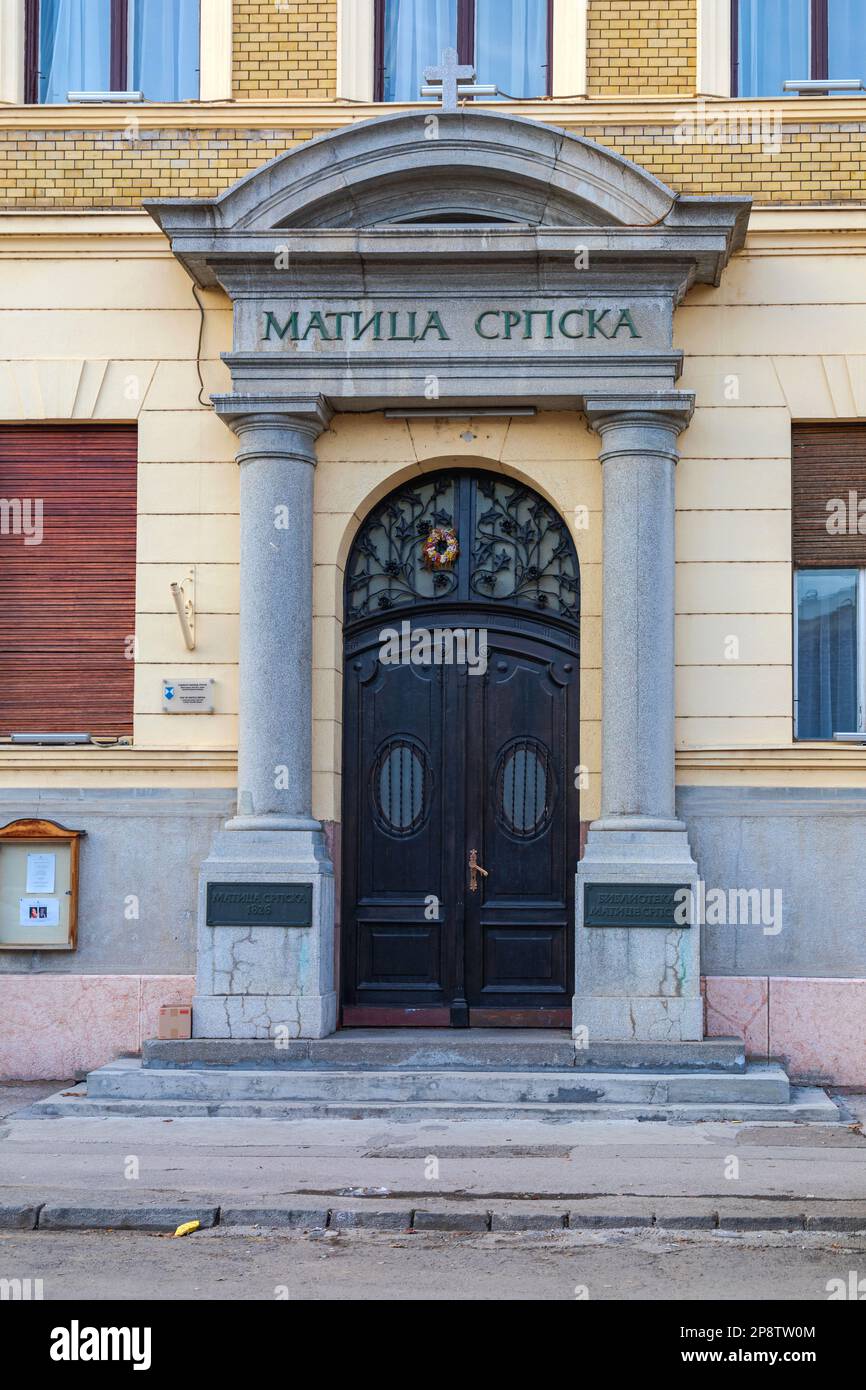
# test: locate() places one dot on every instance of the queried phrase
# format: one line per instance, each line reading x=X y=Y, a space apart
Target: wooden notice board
x=38 y=886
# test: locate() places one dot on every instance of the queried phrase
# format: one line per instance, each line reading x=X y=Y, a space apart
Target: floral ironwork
x=386 y=569
x=518 y=551
x=522 y=551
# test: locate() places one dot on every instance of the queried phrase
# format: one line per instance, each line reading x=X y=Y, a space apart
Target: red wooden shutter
x=829 y=465
x=67 y=605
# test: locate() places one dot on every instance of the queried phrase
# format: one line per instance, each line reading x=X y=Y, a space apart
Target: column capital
x=303 y=415
x=645 y=423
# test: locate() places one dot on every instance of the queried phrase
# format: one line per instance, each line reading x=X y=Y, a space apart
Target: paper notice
x=40 y=873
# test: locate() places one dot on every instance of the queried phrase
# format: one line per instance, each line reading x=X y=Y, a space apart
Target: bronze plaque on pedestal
x=259 y=905
x=636 y=905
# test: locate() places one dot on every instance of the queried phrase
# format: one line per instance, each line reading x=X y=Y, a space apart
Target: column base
x=272 y=1016
x=638 y=983
x=267 y=981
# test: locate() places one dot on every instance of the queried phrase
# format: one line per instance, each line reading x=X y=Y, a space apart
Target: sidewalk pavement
x=153 y=1174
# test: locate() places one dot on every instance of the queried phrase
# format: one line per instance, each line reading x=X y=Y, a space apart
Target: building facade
x=277 y=333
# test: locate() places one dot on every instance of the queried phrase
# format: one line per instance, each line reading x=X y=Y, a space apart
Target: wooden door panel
x=394 y=830
x=400 y=772
x=523 y=959
x=394 y=955
x=520 y=925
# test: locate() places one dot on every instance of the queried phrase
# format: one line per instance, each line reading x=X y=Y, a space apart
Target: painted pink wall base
x=816 y=1026
x=737 y=1006
x=56 y=1027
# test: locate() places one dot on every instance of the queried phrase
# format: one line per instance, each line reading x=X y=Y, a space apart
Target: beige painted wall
x=362 y=457
x=101 y=323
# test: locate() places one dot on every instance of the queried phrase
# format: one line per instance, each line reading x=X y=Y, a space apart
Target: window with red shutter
x=67 y=578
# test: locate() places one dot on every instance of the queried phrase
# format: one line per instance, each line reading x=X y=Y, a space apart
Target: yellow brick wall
x=642 y=47
x=284 y=48
x=817 y=162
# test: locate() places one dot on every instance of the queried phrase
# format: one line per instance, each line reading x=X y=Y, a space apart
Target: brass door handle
x=474 y=870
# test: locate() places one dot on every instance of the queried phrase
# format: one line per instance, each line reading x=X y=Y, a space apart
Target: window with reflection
x=506 y=41
x=777 y=41
x=829 y=654
x=147 y=46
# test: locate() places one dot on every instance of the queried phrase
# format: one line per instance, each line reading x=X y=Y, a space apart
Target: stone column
x=272 y=981
x=638 y=982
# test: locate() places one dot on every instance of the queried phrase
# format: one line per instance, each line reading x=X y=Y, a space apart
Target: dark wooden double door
x=441 y=762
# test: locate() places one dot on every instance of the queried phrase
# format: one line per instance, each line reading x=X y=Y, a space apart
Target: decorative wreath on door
x=441 y=548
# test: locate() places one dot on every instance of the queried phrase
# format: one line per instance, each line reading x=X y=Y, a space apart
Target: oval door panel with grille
x=401 y=787
x=524 y=788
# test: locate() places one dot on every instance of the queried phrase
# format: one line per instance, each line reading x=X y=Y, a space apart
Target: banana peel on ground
x=187 y=1228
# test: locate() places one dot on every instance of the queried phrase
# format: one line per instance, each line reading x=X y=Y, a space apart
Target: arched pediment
x=472 y=255
x=471 y=165
x=462 y=167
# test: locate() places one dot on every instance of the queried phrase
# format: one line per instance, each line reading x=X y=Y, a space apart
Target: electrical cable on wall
x=201 y=396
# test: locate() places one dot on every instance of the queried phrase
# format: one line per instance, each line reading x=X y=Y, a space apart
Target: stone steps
x=127 y=1080
x=418 y=1075
x=438 y=1049
x=806 y=1105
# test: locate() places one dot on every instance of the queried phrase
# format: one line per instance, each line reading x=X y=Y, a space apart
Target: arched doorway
x=461 y=725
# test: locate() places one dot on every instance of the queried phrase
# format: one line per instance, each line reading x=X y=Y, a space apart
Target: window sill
x=796 y=757
x=321 y=114
x=118 y=757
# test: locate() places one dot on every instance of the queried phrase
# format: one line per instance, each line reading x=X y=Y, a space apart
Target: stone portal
x=501 y=263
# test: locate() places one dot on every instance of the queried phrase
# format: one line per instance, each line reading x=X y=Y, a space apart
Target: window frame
x=118 y=51
x=465 y=44
x=819 y=46
x=859 y=733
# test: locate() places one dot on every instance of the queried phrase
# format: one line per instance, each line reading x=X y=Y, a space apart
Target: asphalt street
x=356 y=1266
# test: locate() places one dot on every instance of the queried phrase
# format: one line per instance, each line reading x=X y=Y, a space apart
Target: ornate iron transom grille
x=514 y=549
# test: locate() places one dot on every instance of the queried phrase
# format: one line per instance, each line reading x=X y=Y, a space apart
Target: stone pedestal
x=272 y=981
x=267 y=982
x=638 y=982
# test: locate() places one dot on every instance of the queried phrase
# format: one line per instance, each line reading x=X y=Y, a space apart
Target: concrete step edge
x=807 y=1105
x=129 y=1066
x=766 y=1084
x=482 y=1051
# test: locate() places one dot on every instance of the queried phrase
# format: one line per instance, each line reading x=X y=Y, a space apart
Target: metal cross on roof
x=452 y=80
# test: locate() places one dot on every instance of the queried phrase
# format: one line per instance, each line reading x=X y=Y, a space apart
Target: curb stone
x=451 y=1221
x=528 y=1221
x=742 y=1222
x=588 y=1220
x=280 y=1218
x=758 y=1215
x=841 y=1222
x=687 y=1221
x=55 y=1217
x=359 y=1219
x=467 y=1219
x=18 y=1218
